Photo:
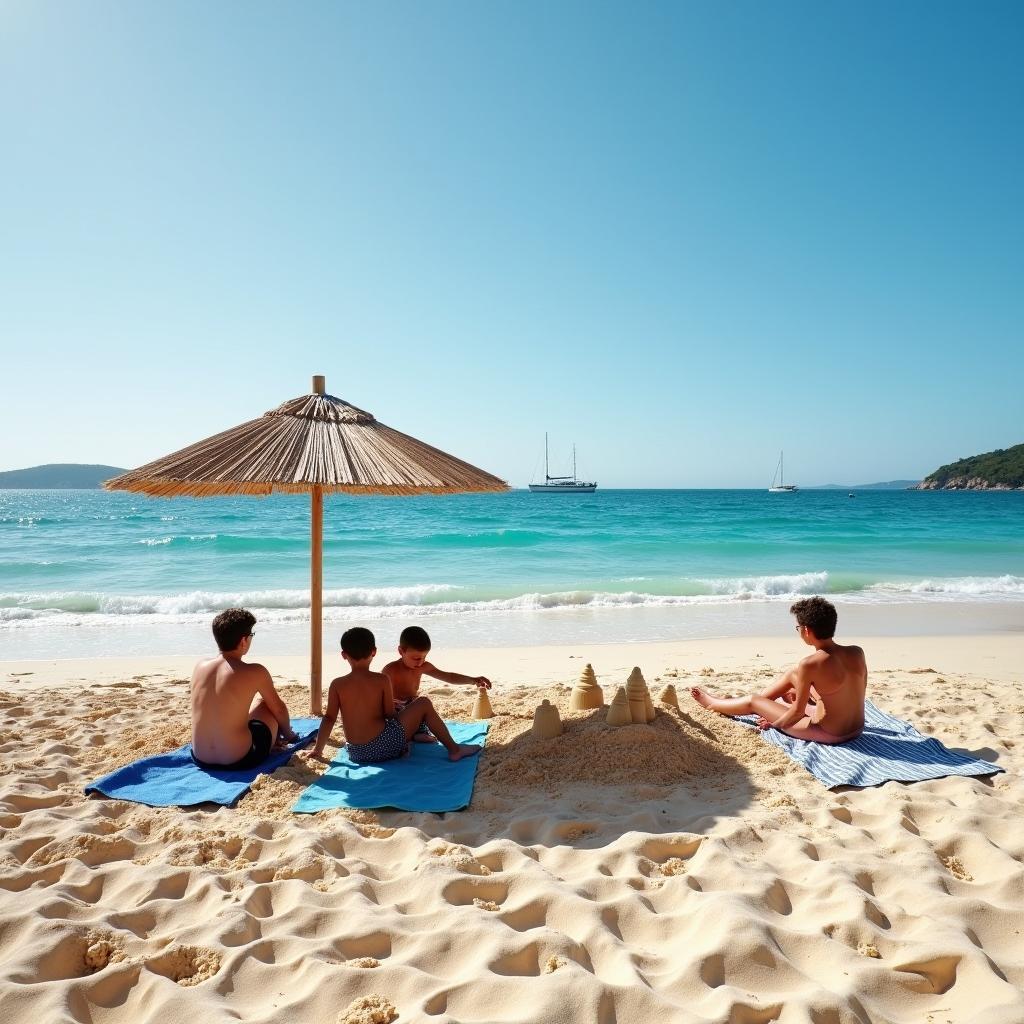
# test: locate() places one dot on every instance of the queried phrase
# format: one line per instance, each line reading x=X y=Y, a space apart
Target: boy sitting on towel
x=374 y=731
x=237 y=715
x=411 y=665
x=822 y=699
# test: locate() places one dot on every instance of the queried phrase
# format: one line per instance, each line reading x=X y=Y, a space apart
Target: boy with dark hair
x=237 y=714
x=822 y=699
x=374 y=731
x=411 y=665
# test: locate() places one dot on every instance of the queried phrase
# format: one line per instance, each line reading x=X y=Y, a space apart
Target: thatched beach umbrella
x=317 y=444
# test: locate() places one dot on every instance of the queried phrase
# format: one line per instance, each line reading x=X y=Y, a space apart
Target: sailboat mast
x=546 y=477
x=782 y=469
x=574 y=463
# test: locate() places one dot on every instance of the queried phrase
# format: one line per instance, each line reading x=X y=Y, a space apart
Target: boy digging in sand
x=411 y=665
x=373 y=729
x=822 y=699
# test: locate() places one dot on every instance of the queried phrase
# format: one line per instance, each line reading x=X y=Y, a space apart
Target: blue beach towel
x=889 y=750
x=175 y=780
x=424 y=781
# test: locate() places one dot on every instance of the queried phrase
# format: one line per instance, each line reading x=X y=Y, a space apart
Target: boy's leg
x=421 y=710
x=422 y=734
x=756 y=704
x=259 y=710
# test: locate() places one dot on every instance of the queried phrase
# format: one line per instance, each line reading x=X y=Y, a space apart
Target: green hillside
x=1002 y=469
x=58 y=476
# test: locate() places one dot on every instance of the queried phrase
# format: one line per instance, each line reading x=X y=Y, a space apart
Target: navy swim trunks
x=389 y=743
x=262 y=741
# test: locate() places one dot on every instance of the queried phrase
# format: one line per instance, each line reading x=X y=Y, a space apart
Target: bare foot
x=464 y=750
x=703 y=699
x=425 y=737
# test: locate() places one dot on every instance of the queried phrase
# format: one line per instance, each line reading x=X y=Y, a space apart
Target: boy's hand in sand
x=763 y=723
x=482 y=682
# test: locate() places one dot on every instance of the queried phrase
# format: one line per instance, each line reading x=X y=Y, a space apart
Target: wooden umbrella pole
x=316 y=582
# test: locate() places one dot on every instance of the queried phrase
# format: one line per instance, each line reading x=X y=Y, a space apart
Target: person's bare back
x=361 y=700
x=839 y=678
x=235 y=706
x=822 y=698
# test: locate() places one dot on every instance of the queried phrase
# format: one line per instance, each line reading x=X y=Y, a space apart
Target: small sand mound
x=459 y=858
x=363 y=961
x=368 y=1010
x=101 y=948
x=553 y=963
x=673 y=866
x=187 y=965
x=957 y=870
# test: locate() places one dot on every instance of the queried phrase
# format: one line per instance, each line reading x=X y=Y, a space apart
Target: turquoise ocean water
x=88 y=564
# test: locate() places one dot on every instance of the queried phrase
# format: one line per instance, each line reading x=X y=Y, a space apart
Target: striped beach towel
x=889 y=750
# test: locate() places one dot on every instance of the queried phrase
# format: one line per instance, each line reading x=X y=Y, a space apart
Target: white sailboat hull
x=565 y=488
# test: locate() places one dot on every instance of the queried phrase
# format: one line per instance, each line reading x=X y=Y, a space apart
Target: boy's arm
x=455 y=677
x=802 y=686
x=327 y=722
x=387 y=697
x=278 y=708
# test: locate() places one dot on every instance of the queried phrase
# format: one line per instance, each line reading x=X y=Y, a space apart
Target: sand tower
x=635 y=689
x=546 y=722
x=482 y=705
x=586 y=694
x=668 y=696
x=618 y=713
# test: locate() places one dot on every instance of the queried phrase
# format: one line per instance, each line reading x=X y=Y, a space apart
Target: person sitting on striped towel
x=822 y=698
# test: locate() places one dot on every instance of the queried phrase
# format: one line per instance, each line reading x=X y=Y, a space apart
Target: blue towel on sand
x=424 y=781
x=175 y=780
x=889 y=750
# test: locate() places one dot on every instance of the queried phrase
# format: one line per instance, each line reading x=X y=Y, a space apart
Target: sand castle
x=641 y=707
x=482 y=705
x=546 y=721
x=618 y=712
x=668 y=696
x=586 y=694
x=635 y=696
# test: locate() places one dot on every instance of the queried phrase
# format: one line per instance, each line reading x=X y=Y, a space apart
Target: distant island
x=887 y=485
x=1001 y=470
x=58 y=476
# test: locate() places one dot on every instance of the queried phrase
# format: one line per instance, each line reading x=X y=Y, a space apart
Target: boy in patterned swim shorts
x=374 y=731
x=411 y=665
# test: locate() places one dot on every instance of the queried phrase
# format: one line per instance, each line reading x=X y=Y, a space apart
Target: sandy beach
x=685 y=871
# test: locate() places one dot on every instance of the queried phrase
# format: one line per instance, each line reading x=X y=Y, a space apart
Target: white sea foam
x=369 y=603
x=989 y=587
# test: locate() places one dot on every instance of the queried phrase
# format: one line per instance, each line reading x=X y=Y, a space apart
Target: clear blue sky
x=684 y=235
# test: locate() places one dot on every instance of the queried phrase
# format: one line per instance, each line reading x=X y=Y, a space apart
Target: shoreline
x=521 y=629
x=995 y=656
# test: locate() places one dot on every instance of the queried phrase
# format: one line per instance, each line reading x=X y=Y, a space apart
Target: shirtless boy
x=822 y=699
x=411 y=665
x=237 y=715
x=374 y=731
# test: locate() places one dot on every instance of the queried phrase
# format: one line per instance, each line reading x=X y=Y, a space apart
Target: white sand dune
x=684 y=871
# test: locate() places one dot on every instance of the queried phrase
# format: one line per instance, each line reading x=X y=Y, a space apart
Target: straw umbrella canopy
x=315 y=444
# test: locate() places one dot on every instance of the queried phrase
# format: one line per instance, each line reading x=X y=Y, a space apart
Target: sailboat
x=778 y=485
x=562 y=484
